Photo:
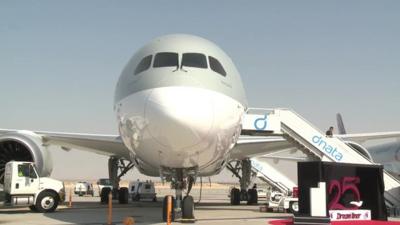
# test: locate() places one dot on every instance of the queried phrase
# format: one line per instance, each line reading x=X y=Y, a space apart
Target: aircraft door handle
x=17 y=186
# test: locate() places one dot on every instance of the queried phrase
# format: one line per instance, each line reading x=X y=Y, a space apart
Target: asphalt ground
x=214 y=208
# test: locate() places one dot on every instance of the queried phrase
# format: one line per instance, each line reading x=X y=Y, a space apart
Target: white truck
x=23 y=187
x=104 y=183
x=140 y=190
x=278 y=201
x=105 y=186
x=83 y=188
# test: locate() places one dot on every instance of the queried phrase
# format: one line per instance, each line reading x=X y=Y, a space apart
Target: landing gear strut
x=245 y=178
x=116 y=169
x=183 y=207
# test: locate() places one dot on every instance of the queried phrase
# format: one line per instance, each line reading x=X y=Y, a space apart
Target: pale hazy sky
x=60 y=60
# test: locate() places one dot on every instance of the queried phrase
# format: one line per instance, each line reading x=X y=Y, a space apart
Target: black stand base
x=311 y=220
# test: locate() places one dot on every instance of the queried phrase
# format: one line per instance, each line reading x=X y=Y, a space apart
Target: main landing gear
x=116 y=169
x=182 y=208
x=245 y=177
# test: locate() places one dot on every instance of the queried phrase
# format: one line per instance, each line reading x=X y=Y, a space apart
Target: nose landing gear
x=182 y=208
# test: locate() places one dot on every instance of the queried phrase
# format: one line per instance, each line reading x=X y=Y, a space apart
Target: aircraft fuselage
x=176 y=107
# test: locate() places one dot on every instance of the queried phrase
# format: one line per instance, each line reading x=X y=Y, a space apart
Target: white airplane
x=179 y=105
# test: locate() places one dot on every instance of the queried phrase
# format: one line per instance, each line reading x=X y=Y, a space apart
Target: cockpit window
x=194 y=60
x=143 y=65
x=216 y=66
x=165 y=59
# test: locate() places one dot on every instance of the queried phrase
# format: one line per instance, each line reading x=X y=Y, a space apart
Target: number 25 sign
x=339 y=188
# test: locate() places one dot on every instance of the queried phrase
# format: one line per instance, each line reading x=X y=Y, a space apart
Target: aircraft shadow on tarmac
x=96 y=213
x=142 y=212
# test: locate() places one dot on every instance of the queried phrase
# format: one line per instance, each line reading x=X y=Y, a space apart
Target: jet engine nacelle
x=24 y=146
x=359 y=148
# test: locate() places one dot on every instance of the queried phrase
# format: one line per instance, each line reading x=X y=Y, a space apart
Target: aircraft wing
x=109 y=145
x=251 y=146
x=362 y=137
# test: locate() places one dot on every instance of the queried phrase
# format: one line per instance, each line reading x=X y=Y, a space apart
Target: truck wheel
x=123 y=195
x=294 y=207
x=104 y=195
x=46 y=202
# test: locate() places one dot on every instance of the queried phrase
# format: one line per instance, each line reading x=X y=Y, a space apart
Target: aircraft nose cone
x=179 y=117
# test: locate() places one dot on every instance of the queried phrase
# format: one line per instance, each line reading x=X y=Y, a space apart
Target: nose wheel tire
x=188 y=208
x=46 y=202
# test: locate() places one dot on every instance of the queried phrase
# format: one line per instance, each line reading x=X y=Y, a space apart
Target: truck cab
x=104 y=183
x=24 y=187
x=281 y=202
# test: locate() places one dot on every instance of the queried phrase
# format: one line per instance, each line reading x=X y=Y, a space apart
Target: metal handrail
x=279 y=184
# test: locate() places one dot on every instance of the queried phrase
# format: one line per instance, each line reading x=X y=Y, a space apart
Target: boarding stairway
x=270 y=175
x=310 y=140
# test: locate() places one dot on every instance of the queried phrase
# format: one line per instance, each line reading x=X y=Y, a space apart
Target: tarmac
x=214 y=208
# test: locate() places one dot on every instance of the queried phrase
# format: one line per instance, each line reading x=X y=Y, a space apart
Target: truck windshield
x=104 y=182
